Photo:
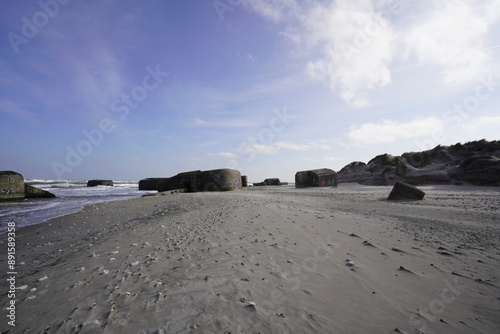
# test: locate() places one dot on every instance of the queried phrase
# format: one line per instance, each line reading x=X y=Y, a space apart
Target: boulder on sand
x=403 y=190
x=11 y=185
x=93 y=183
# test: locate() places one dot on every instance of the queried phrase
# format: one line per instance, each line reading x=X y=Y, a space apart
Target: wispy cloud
x=350 y=62
x=388 y=131
x=259 y=149
x=351 y=45
x=227 y=155
x=275 y=148
x=452 y=35
x=480 y=123
x=17 y=110
x=334 y=159
x=291 y=146
x=222 y=123
x=353 y=61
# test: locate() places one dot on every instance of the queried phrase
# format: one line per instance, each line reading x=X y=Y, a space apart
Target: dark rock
x=316 y=178
x=272 y=182
x=33 y=192
x=11 y=185
x=93 y=183
x=150 y=183
x=405 y=191
x=196 y=181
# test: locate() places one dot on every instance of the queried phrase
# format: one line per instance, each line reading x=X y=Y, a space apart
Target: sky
x=125 y=90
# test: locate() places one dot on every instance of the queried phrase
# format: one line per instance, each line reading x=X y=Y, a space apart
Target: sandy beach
x=264 y=260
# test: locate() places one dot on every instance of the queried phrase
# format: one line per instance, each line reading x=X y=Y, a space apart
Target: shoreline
x=71 y=197
x=432 y=187
x=193 y=262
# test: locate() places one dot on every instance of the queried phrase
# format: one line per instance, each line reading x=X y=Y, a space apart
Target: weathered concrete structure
x=323 y=177
x=268 y=182
x=168 y=192
x=93 y=183
x=259 y=184
x=244 y=181
x=403 y=190
x=11 y=185
x=33 y=192
x=272 y=182
x=150 y=183
x=196 y=181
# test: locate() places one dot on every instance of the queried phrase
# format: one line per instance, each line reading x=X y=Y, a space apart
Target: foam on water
x=72 y=196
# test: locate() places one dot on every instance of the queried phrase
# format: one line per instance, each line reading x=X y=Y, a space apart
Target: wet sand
x=265 y=259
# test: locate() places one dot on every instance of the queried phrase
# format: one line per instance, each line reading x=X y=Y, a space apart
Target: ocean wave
x=71 y=196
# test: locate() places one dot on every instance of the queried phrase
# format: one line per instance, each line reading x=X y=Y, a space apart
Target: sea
x=71 y=197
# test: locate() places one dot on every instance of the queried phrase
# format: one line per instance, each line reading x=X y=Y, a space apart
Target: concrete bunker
x=323 y=177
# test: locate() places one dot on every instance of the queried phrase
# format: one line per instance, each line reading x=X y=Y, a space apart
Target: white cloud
x=274 y=10
x=224 y=123
x=350 y=45
x=481 y=123
x=354 y=40
x=198 y=122
x=452 y=35
x=357 y=44
x=291 y=146
x=275 y=148
x=228 y=155
x=17 y=110
x=334 y=159
x=388 y=131
x=261 y=149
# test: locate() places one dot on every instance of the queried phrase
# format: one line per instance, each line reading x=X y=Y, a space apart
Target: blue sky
x=132 y=89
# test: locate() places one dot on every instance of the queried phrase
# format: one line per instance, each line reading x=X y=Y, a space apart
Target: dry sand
x=265 y=260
